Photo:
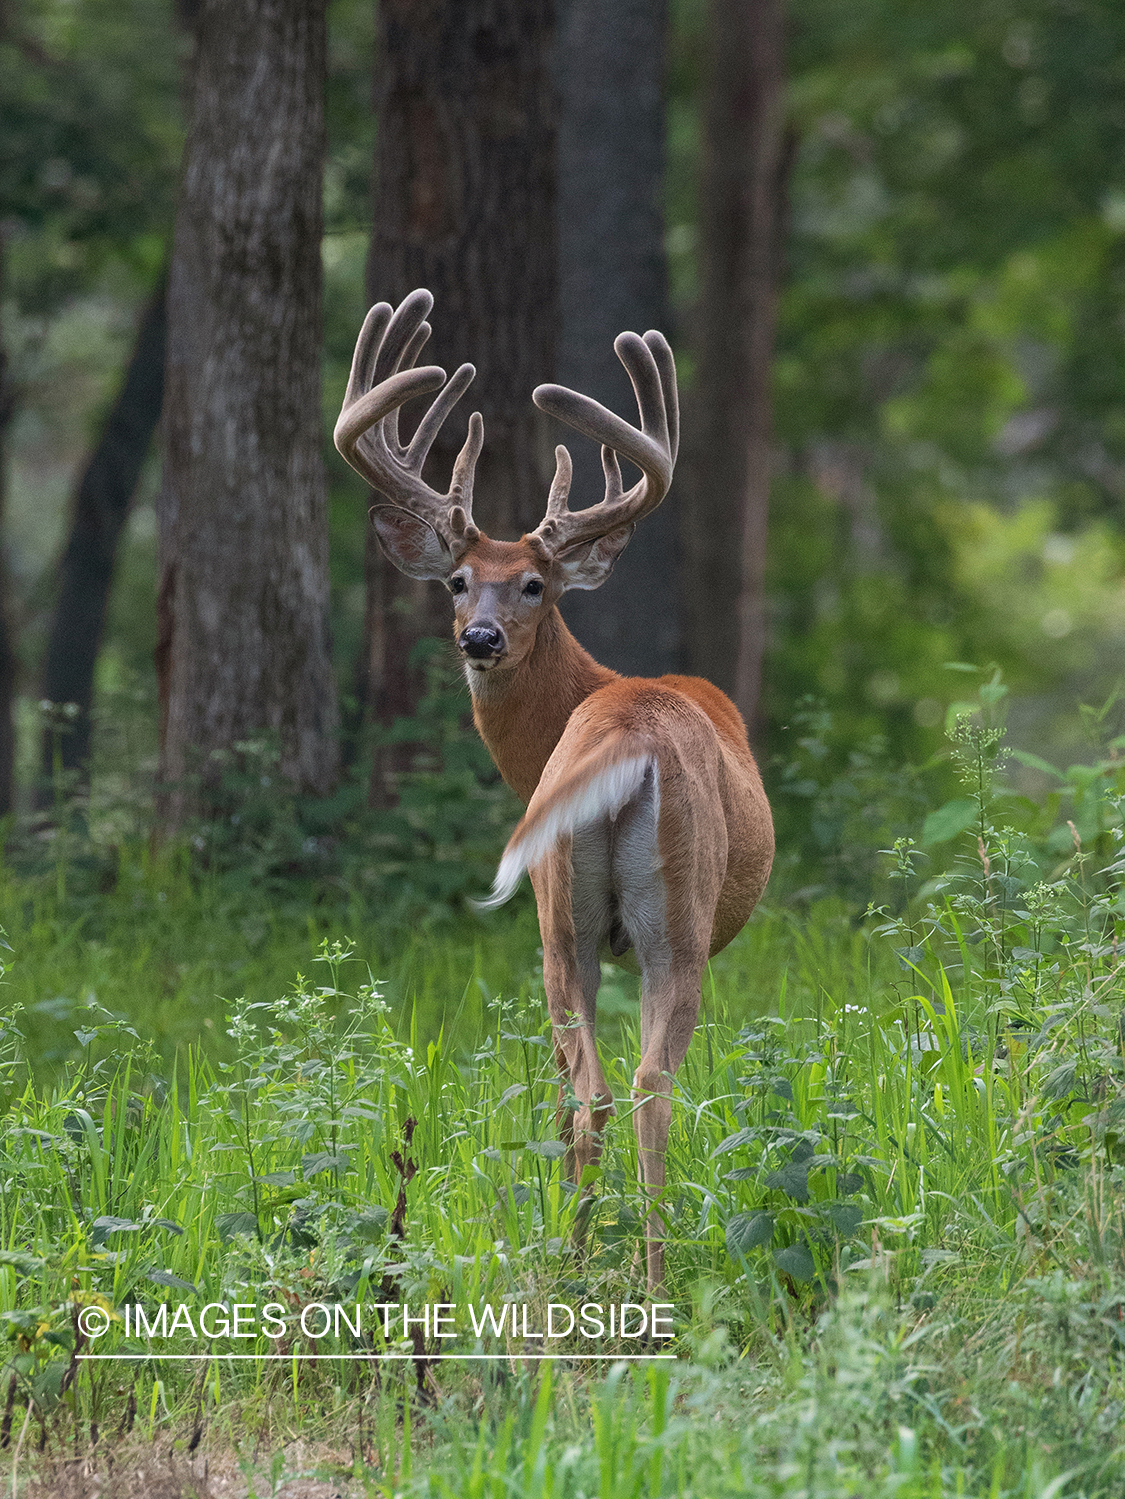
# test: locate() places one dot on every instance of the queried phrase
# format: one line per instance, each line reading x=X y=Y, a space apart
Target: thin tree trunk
x=612 y=277
x=743 y=179
x=101 y=507
x=464 y=205
x=243 y=606
x=7 y=647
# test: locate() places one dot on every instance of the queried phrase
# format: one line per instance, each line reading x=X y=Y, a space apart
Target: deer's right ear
x=590 y=563
x=412 y=545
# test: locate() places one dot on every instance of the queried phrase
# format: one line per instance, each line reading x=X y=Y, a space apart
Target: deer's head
x=501 y=589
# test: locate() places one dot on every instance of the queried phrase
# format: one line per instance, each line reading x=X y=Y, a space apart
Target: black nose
x=480 y=641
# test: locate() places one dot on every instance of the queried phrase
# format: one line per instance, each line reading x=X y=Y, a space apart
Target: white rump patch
x=603 y=795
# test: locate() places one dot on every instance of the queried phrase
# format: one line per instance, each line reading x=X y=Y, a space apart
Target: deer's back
x=710 y=788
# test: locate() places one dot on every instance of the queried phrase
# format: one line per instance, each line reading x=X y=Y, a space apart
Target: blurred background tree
x=609 y=70
x=745 y=159
x=464 y=204
x=243 y=648
x=91 y=141
x=946 y=448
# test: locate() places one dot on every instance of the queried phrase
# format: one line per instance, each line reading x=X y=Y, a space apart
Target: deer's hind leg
x=668 y=862
x=572 y=887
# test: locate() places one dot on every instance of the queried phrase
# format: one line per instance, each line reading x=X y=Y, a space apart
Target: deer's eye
x=533 y=588
x=457 y=585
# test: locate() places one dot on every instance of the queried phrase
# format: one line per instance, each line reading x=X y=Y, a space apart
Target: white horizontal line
x=409 y=1358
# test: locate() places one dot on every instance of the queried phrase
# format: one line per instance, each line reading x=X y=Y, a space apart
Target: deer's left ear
x=411 y=543
x=589 y=564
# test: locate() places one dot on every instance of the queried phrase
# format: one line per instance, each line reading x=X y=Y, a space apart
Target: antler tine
x=366 y=347
x=464 y=472
x=644 y=374
x=400 y=345
x=362 y=418
x=382 y=379
x=418 y=342
x=651 y=369
x=560 y=484
x=665 y=360
x=544 y=537
x=409 y=358
x=430 y=425
x=614 y=484
x=406 y=322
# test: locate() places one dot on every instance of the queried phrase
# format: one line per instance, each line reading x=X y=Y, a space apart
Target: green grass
x=895 y=1188
x=913 y=1213
x=170 y=949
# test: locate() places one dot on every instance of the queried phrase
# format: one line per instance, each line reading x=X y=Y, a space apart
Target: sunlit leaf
x=948 y=821
x=796 y=1261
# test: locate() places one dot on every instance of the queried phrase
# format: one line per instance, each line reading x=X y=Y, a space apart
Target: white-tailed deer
x=646 y=823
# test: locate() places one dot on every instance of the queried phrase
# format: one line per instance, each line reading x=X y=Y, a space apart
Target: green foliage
x=259 y=840
x=946 y=395
x=91 y=140
x=835 y=803
x=897 y=1249
x=896 y=1158
x=944 y=374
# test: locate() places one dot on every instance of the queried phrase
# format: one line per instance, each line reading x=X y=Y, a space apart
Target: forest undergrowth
x=896 y=1257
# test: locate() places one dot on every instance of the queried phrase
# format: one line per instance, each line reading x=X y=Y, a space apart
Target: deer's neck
x=521 y=711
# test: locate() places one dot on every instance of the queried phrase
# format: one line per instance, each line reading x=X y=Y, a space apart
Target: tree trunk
x=612 y=277
x=464 y=205
x=743 y=179
x=101 y=506
x=7 y=648
x=243 y=609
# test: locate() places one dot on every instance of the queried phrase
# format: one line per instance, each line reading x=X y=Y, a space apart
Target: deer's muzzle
x=482 y=642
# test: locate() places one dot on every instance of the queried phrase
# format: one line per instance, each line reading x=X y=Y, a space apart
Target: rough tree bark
x=743 y=177
x=464 y=205
x=243 y=644
x=101 y=507
x=7 y=648
x=612 y=276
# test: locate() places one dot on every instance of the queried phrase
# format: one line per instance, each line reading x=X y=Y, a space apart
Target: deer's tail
x=598 y=785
